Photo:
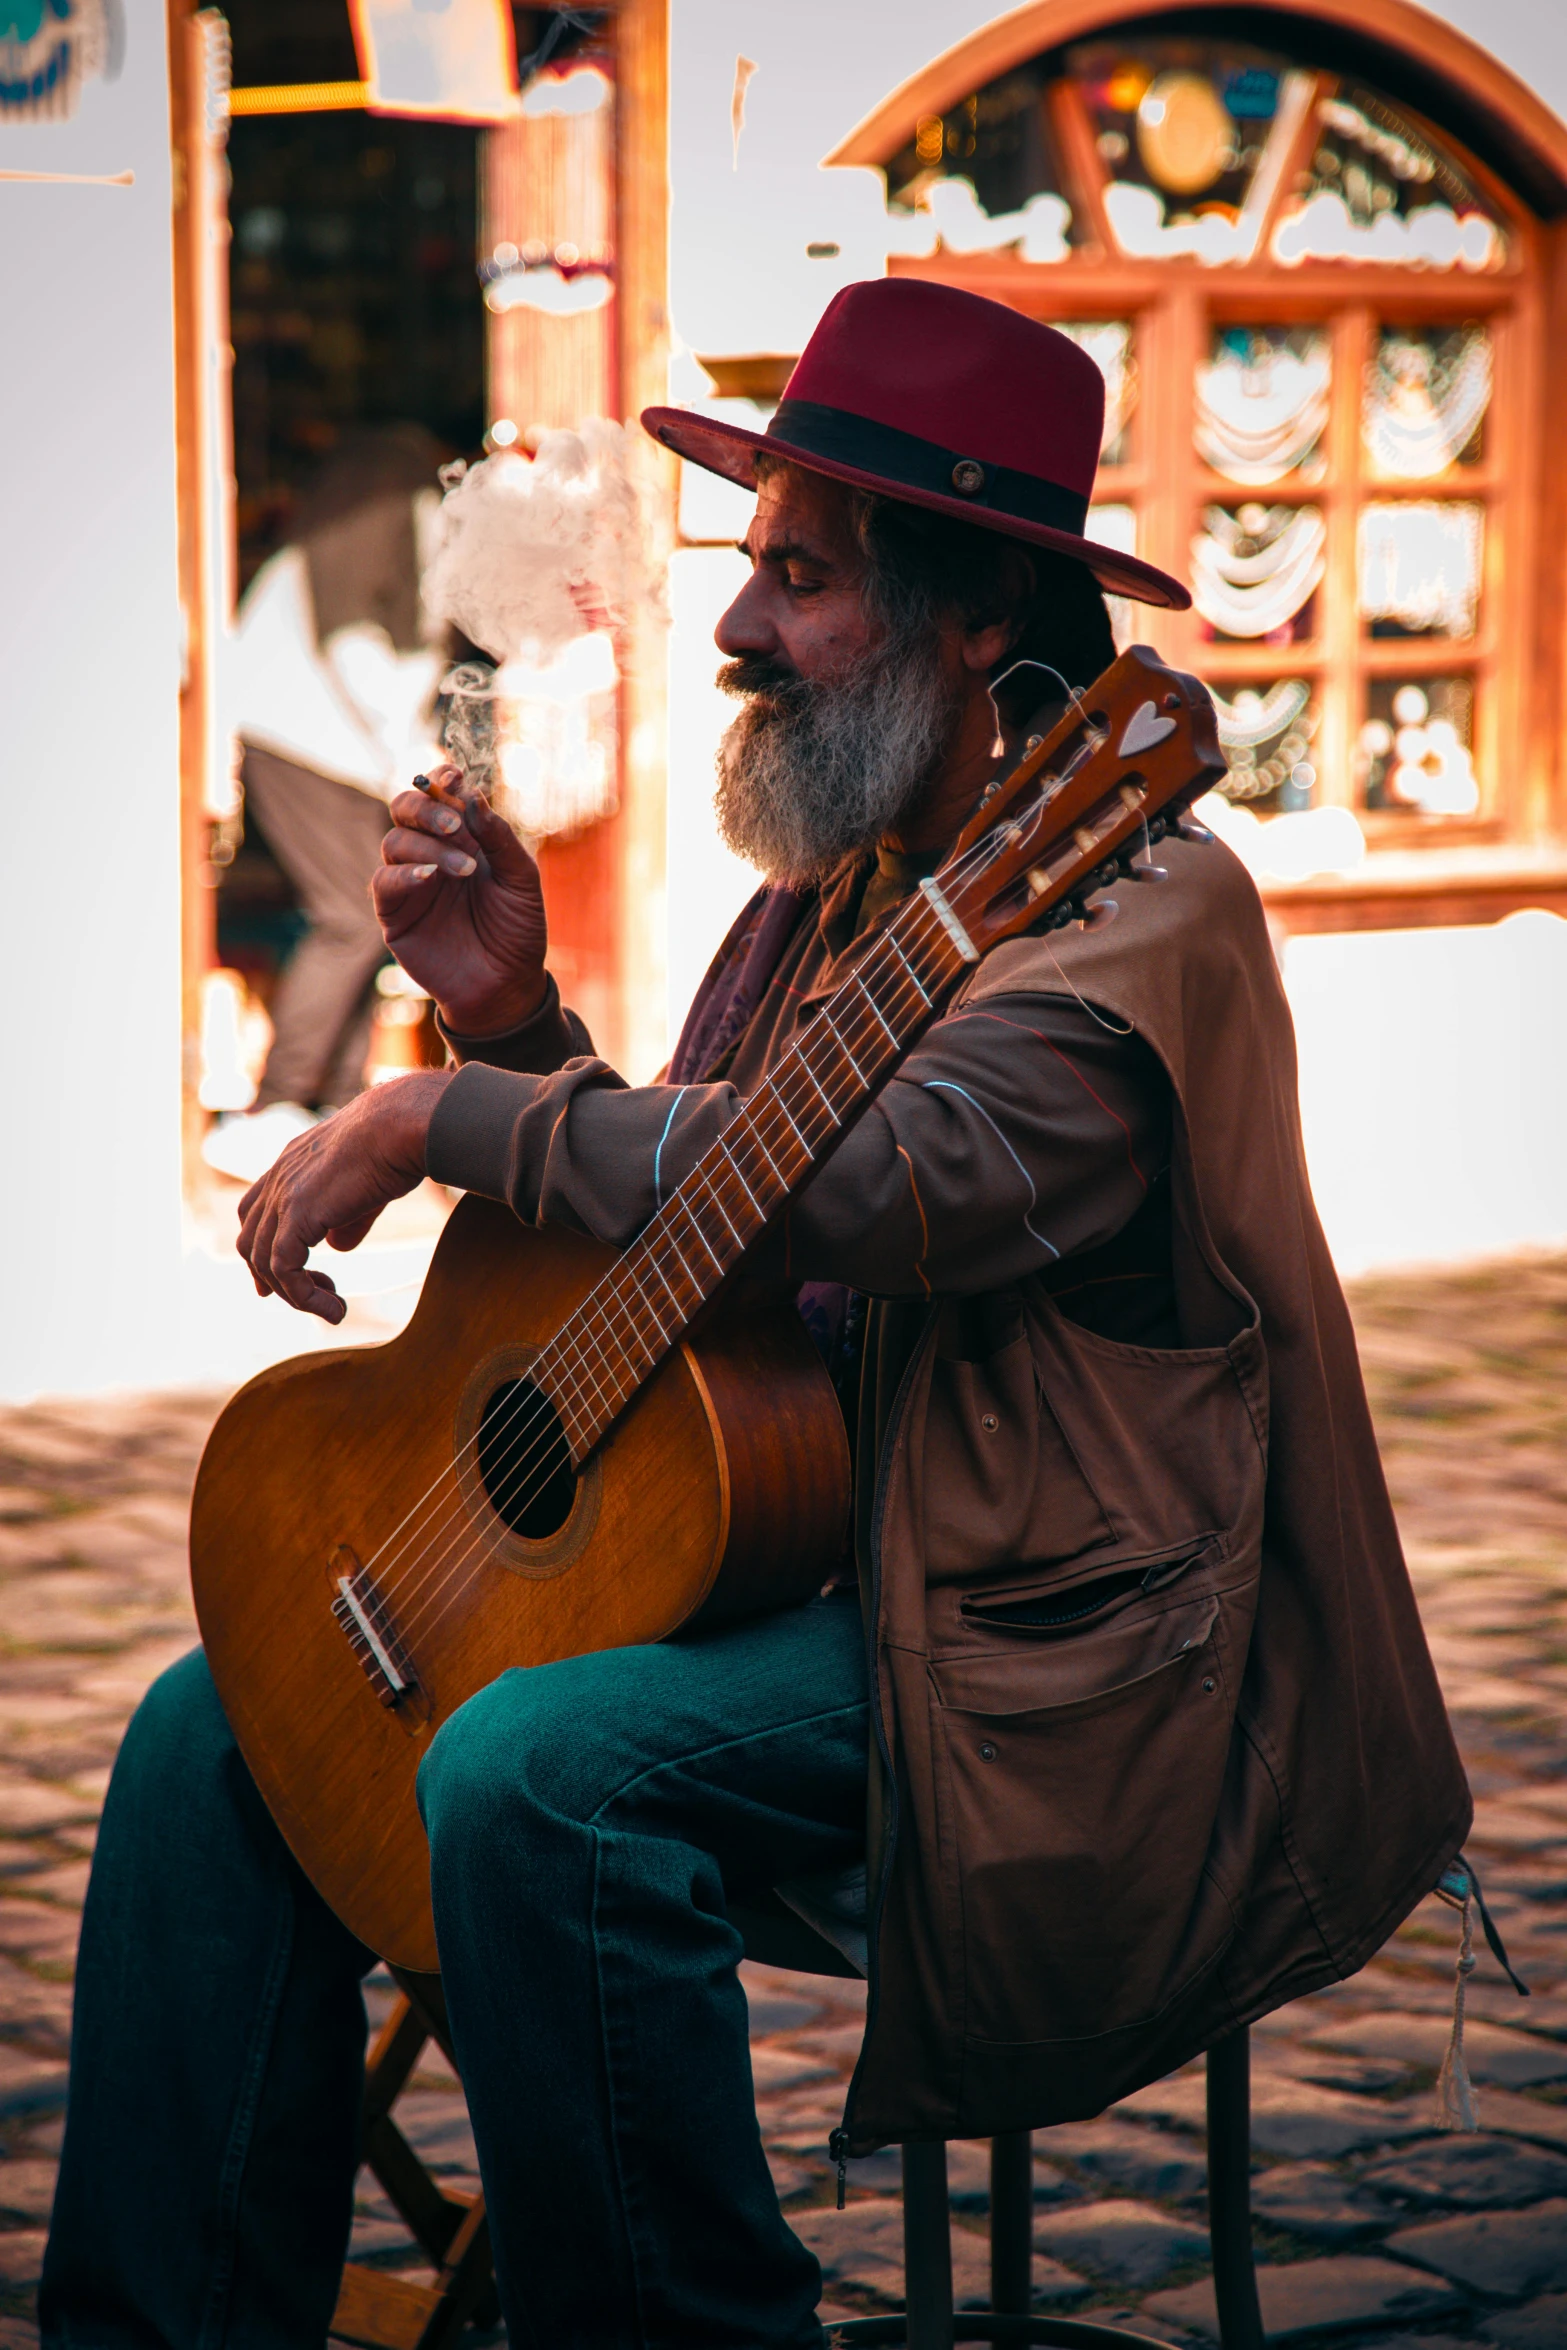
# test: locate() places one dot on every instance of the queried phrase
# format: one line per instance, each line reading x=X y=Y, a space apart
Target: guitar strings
x=544 y=1419
x=973 y=859
x=537 y=1415
x=536 y=1419
x=440 y=1571
x=443 y=1571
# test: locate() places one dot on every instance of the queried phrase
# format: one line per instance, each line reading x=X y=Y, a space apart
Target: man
x=1154 y=1741
x=333 y=667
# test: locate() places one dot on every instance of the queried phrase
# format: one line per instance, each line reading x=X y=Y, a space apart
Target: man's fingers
x=415 y=811
x=258 y=1248
x=252 y=1208
x=347 y=1236
x=403 y=846
x=313 y=1293
x=403 y=890
x=332 y=1182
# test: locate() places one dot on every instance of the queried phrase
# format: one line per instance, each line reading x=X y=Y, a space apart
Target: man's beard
x=814 y=768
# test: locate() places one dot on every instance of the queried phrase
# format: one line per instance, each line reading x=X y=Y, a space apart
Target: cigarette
x=436 y=791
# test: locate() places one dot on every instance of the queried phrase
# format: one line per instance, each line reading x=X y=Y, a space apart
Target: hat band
x=915 y=464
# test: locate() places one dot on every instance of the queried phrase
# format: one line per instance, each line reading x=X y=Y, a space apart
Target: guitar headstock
x=1110 y=779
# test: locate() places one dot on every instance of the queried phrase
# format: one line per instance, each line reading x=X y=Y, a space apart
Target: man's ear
x=993 y=633
x=983 y=647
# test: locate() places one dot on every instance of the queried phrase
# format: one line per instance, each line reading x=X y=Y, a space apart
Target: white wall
x=89 y=657
x=1434 y=1105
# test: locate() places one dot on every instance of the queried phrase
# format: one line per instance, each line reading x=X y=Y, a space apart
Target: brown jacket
x=1223 y=1774
x=1105 y=1842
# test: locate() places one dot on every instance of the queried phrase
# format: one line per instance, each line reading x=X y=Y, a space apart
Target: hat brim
x=730 y=450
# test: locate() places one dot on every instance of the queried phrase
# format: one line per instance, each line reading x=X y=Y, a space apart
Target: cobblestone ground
x=1372 y=2226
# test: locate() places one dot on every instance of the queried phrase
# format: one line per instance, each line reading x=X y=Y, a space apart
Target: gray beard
x=815 y=768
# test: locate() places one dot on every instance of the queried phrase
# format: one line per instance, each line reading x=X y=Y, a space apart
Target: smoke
x=468 y=731
x=533 y=555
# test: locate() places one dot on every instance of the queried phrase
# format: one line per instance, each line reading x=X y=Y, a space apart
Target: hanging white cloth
x=1422 y=406
x=1261 y=412
x=1251 y=577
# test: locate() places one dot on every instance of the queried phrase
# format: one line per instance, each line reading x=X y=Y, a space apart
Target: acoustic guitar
x=571 y=1447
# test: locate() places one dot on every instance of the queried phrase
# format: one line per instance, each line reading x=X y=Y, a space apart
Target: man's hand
x=459 y=904
x=331 y=1184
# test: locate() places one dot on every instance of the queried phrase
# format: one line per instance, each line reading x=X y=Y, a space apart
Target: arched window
x=1314 y=274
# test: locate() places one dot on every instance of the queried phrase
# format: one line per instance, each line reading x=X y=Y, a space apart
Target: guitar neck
x=627 y=1325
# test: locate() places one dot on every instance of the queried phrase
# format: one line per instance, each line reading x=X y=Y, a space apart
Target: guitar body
x=721 y=1492
x=377 y=1534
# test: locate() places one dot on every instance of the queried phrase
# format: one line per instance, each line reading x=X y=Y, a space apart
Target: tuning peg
x=1149 y=872
x=1189 y=829
x=1101 y=916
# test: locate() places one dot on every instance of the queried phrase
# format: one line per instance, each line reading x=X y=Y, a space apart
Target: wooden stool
x=375 y=2308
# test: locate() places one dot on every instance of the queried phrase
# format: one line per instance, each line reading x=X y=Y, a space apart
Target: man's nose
x=746 y=627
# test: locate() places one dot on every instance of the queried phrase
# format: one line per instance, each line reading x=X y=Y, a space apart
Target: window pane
x=986 y=174
x=1262 y=403
x=1381 y=190
x=1188 y=132
x=1108 y=343
x=1267 y=738
x=1255 y=569
x=1413 y=751
x=1426 y=394
x=1420 y=567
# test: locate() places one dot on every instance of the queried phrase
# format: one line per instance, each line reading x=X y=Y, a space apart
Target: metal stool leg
x=1229 y=2193
x=929 y=2321
x=1012 y=2223
x=927 y=2248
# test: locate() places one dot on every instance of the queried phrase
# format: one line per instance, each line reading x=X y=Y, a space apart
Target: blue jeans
x=586 y=1821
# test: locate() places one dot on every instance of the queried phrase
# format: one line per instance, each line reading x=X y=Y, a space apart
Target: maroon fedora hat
x=944 y=400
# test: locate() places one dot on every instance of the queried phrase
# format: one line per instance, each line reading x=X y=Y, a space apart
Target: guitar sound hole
x=524 y=1462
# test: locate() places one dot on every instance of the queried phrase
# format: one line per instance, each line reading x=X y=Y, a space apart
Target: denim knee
x=178 y=1734
x=514 y=1752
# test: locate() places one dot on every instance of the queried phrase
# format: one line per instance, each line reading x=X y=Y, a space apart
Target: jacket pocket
x=1081 y=1770
x=1001 y=1482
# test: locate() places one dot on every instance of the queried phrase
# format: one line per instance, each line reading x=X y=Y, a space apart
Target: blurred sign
x=452 y=58
x=48 y=48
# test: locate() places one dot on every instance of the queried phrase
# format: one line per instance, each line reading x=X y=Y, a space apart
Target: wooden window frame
x=1513 y=851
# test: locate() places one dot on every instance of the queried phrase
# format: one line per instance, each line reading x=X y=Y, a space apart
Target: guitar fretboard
x=627 y=1325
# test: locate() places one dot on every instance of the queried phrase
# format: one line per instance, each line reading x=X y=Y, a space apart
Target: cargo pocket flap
x=1029 y=1677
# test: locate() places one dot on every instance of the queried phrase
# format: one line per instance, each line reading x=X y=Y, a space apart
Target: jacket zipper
x=838 y=2143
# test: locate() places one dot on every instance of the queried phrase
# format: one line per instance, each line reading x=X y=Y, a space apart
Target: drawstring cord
x=1456 y=2105
x=1455 y=2097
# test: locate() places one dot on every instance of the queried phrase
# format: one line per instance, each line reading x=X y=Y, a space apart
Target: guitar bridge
x=370 y=1632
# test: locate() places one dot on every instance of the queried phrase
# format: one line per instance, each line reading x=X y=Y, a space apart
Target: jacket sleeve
x=1015 y=1133
x=541 y=1045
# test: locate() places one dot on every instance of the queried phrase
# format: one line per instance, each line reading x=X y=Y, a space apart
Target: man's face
x=844 y=721
x=801 y=609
